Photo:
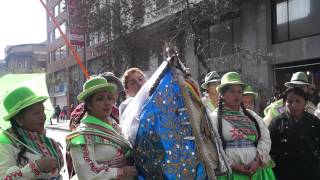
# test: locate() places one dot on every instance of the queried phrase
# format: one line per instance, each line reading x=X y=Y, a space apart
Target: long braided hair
x=246 y=113
x=75 y=121
x=21 y=159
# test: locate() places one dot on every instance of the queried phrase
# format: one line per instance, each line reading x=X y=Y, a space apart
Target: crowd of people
x=284 y=144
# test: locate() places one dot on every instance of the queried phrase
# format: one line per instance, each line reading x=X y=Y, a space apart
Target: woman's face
x=101 y=105
x=295 y=105
x=248 y=101
x=211 y=89
x=135 y=81
x=233 y=97
x=32 y=118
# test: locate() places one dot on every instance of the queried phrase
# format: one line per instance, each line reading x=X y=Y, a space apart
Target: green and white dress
x=41 y=145
x=239 y=134
x=98 y=150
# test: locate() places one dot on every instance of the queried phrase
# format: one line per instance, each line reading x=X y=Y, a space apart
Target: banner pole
x=67 y=42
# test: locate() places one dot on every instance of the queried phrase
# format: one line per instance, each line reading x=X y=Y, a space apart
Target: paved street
x=58 y=132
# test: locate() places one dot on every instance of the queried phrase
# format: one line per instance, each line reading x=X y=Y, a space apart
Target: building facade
x=266 y=41
x=26 y=58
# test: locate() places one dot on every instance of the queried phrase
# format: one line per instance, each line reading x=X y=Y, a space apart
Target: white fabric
x=129 y=120
x=208 y=103
x=124 y=105
x=245 y=155
x=8 y=155
x=317 y=111
x=98 y=153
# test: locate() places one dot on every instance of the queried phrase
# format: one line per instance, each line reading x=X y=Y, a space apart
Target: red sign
x=76 y=24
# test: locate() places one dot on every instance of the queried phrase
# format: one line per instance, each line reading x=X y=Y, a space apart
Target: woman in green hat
x=25 y=151
x=98 y=149
x=244 y=135
x=249 y=97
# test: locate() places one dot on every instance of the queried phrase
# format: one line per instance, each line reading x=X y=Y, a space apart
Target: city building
x=3 y=67
x=26 y=58
x=266 y=41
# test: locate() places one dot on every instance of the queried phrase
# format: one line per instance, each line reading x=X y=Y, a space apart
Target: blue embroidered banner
x=164 y=145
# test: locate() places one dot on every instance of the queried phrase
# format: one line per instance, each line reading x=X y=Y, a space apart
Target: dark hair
x=75 y=121
x=111 y=78
x=21 y=159
x=246 y=113
x=297 y=91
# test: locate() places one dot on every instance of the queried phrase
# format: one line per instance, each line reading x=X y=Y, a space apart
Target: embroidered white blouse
x=238 y=147
x=93 y=161
x=10 y=170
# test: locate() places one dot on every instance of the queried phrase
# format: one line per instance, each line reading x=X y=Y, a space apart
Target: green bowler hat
x=298 y=78
x=19 y=99
x=96 y=85
x=249 y=91
x=230 y=78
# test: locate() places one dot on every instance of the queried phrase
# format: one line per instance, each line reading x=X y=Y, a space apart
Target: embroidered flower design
x=236 y=134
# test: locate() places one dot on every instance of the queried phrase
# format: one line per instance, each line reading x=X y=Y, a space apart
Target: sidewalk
x=61 y=125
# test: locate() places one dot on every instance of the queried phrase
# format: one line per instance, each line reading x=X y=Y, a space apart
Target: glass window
x=57 y=54
x=63 y=27
x=56 y=10
x=63 y=51
x=62 y=6
x=57 y=33
x=294 y=19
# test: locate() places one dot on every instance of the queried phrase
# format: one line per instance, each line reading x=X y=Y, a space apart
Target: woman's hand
x=254 y=165
x=128 y=171
x=47 y=164
x=240 y=168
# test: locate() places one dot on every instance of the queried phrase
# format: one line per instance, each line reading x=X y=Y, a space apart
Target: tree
x=124 y=24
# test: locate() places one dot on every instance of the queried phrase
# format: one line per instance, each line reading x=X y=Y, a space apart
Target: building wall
x=26 y=58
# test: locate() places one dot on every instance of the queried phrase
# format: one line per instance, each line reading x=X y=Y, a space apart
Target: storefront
x=283 y=72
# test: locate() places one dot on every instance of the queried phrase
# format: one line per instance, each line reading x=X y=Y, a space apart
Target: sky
x=21 y=22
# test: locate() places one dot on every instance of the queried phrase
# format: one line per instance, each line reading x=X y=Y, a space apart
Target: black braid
x=220 y=114
x=252 y=119
x=75 y=122
x=21 y=159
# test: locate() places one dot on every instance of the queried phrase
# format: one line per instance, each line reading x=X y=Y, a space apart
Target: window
x=57 y=54
x=94 y=38
x=63 y=27
x=57 y=33
x=56 y=10
x=63 y=52
x=60 y=53
x=62 y=6
x=292 y=19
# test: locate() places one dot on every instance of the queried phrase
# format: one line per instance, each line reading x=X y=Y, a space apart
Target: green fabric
x=93 y=120
x=50 y=145
x=78 y=140
x=19 y=99
x=80 y=136
x=230 y=78
x=249 y=91
x=271 y=111
x=95 y=85
x=36 y=82
x=261 y=174
x=4 y=139
x=228 y=112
